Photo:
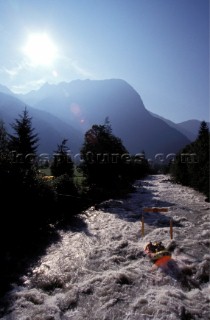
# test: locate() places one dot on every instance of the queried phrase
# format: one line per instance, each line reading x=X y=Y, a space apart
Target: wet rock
x=185 y=315
x=123 y=279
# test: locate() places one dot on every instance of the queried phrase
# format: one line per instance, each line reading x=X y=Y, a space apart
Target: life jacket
x=157 y=253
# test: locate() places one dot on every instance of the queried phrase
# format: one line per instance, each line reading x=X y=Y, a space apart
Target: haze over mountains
x=68 y=110
x=51 y=130
x=189 y=128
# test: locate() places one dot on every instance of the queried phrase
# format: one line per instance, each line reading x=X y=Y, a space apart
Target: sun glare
x=40 y=49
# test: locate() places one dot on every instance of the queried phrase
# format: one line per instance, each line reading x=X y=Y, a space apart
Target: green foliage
x=70 y=200
x=137 y=166
x=22 y=147
x=5 y=158
x=191 y=167
x=19 y=183
x=107 y=164
x=64 y=184
x=3 y=138
x=101 y=154
x=24 y=141
x=62 y=162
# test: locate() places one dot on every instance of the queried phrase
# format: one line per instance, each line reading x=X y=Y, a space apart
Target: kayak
x=157 y=253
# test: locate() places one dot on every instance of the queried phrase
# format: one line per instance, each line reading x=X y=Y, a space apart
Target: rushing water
x=98 y=271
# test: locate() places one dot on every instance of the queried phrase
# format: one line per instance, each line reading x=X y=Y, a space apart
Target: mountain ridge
x=82 y=103
x=45 y=124
x=189 y=128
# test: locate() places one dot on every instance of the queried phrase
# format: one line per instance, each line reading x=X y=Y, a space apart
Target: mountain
x=192 y=127
x=189 y=128
x=68 y=110
x=82 y=103
x=5 y=90
x=35 y=96
x=51 y=130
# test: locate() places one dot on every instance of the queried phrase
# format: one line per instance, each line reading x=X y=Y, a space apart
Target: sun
x=40 y=49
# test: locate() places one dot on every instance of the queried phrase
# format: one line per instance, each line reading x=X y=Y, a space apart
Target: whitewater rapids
x=98 y=271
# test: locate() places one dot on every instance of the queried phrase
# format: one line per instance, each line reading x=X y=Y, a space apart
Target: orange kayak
x=158 y=257
x=162 y=261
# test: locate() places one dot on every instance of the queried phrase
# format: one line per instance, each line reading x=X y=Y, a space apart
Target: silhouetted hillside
x=51 y=130
x=189 y=128
x=82 y=103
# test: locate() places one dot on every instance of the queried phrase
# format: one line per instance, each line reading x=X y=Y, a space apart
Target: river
x=98 y=270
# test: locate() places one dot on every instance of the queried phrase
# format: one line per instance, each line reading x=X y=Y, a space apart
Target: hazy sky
x=160 y=47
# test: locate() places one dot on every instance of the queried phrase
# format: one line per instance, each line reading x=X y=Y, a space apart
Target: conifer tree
x=23 y=146
x=62 y=162
x=191 y=166
x=24 y=141
x=3 y=138
x=203 y=131
x=4 y=153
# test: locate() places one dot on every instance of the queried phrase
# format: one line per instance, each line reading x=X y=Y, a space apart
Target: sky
x=160 y=47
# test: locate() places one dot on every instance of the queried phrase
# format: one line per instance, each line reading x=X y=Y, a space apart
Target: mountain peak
x=5 y=90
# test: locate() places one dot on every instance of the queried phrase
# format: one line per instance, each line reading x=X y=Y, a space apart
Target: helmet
x=148 y=245
x=157 y=243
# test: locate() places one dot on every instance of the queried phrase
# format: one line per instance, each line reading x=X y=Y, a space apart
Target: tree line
x=32 y=208
x=191 y=165
x=32 y=202
x=106 y=167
